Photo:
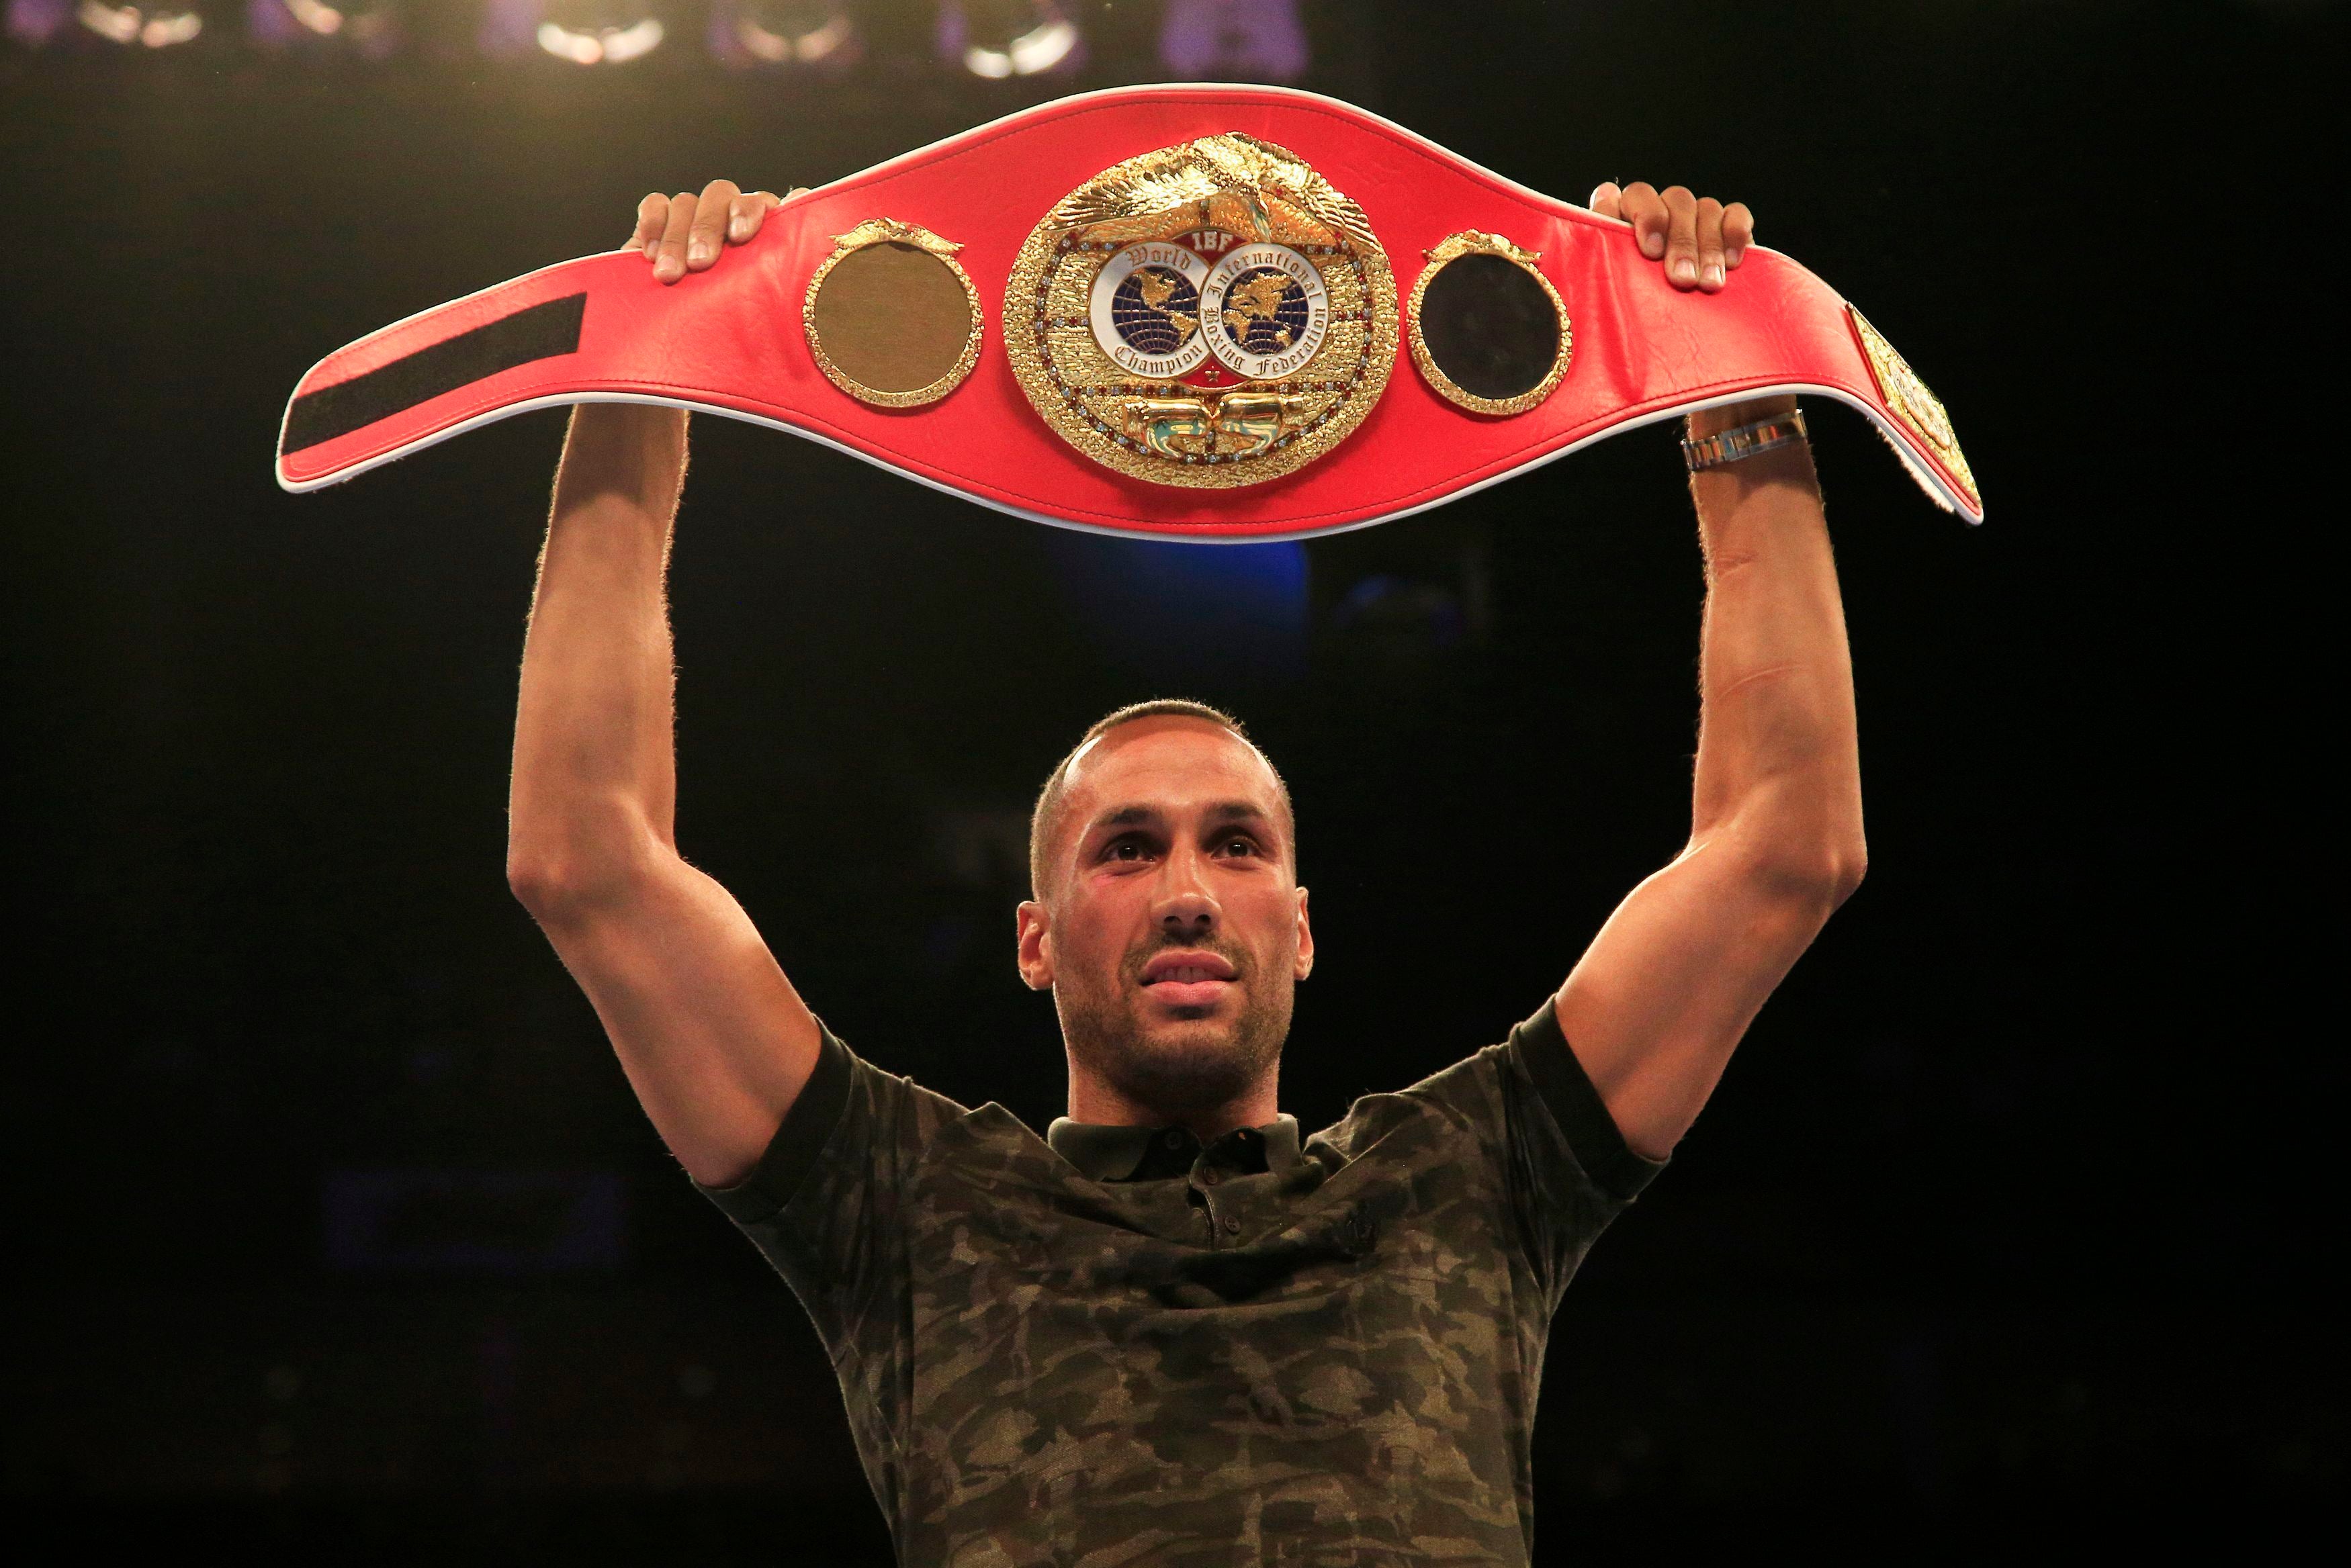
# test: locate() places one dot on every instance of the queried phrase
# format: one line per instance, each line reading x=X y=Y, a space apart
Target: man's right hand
x=686 y=233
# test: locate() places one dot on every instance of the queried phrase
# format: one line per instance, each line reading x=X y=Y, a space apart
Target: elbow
x=1814 y=873
x=1845 y=871
x=539 y=882
x=544 y=884
x=1800 y=849
x=560 y=881
x=1822 y=875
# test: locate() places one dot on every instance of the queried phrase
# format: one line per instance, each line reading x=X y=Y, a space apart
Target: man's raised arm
x=713 y=1037
x=1673 y=980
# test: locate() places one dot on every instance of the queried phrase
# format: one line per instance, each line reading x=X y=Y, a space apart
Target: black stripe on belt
x=535 y=332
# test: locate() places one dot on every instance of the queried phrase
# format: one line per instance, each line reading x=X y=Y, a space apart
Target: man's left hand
x=1698 y=238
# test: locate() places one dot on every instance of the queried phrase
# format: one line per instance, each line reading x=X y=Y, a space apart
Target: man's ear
x=1305 y=965
x=1033 y=950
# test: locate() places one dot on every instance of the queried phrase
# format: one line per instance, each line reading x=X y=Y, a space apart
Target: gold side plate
x=1476 y=242
x=1210 y=314
x=891 y=317
x=1912 y=402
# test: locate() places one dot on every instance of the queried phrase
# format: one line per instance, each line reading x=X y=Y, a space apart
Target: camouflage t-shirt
x=1117 y=1348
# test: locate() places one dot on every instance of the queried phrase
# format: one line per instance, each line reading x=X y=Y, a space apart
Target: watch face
x=1210 y=314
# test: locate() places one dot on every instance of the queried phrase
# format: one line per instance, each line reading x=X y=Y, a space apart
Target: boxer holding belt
x=1177 y=1330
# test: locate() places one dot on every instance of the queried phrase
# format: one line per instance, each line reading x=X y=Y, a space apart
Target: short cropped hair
x=1045 y=821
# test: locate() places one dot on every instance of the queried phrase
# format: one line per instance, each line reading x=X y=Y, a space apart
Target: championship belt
x=1164 y=310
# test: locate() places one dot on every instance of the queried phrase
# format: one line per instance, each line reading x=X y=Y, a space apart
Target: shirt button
x=1172 y=1138
x=1211 y=1176
x=1232 y=1225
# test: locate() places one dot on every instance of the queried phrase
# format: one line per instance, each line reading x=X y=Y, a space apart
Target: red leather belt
x=1208 y=312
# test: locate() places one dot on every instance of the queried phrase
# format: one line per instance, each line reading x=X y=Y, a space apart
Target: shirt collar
x=1110 y=1153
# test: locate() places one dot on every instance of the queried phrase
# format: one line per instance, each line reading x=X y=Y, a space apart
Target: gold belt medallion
x=1910 y=399
x=1210 y=314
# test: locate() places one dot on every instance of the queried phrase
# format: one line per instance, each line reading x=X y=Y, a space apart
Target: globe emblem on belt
x=1155 y=311
x=1145 y=308
x=1264 y=312
x=1160 y=309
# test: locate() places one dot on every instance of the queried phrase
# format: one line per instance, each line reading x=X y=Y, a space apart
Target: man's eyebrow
x=1223 y=811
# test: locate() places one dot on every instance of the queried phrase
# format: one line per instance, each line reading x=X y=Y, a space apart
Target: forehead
x=1175 y=763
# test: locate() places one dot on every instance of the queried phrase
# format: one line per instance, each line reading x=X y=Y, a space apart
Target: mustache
x=1139 y=959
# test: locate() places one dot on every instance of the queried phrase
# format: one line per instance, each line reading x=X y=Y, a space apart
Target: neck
x=1094 y=1099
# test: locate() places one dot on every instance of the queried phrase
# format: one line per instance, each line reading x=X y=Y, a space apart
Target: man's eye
x=1240 y=847
x=1126 y=850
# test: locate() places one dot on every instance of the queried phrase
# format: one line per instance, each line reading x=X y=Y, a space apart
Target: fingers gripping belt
x=1207 y=312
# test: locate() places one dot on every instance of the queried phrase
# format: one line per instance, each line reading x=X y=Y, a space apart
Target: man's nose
x=1186 y=908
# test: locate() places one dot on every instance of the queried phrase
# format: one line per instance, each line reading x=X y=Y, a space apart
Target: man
x=1175 y=1331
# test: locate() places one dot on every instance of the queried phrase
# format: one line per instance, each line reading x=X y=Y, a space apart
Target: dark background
x=332 y=1226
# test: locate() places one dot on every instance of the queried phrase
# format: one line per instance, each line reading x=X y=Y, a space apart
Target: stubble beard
x=1203 y=1066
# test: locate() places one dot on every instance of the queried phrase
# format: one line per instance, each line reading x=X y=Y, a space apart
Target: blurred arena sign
x=1159 y=310
x=475 y=1222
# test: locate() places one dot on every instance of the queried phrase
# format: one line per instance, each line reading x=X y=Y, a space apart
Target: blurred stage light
x=33 y=23
x=368 y=26
x=1233 y=40
x=818 y=33
x=598 y=32
x=154 y=26
x=999 y=38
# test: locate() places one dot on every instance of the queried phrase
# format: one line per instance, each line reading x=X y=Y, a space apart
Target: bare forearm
x=1776 y=736
x=594 y=772
x=713 y=1038
x=1673 y=980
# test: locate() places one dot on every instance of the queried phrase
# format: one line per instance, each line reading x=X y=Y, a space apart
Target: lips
x=1188 y=967
x=1191 y=983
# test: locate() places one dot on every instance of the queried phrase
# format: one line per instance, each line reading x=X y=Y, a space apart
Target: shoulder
x=1465 y=1100
x=1525 y=1096
x=853 y=1122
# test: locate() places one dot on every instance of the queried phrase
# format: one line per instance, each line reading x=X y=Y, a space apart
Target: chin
x=1179 y=1083
x=1204 y=1040
x=1178 y=1065
x=1181 y=1066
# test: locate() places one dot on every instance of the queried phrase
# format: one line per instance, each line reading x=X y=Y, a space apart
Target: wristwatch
x=1743 y=440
